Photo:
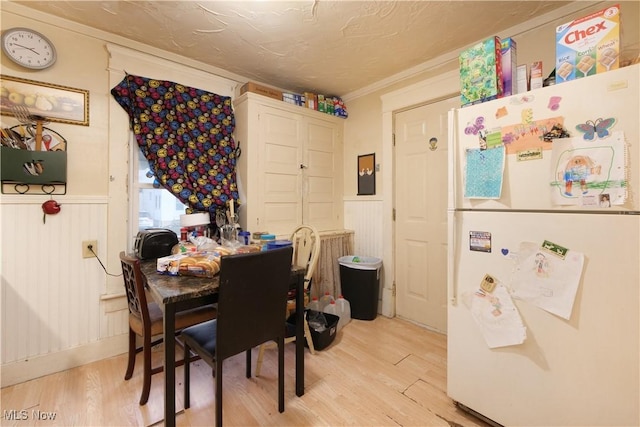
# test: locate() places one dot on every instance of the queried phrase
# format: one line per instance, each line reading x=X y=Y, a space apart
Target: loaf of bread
x=245 y=249
x=222 y=251
x=201 y=264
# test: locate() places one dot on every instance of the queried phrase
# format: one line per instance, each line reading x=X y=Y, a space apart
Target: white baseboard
x=25 y=370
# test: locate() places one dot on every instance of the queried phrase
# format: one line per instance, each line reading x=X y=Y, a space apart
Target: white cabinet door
x=322 y=170
x=280 y=157
x=290 y=167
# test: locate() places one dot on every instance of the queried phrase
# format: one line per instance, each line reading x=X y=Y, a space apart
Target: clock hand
x=25 y=47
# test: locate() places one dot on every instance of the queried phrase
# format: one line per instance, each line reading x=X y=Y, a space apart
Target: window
x=153 y=207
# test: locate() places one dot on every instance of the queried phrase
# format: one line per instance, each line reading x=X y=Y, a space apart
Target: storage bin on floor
x=322 y=336
x=360 y=279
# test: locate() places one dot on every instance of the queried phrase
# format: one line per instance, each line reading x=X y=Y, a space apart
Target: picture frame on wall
x=56 y=103
x=367 y=175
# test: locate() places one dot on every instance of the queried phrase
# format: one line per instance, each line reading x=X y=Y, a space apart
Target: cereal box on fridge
x=509 y=66
x=481 y=72
x=589 y=45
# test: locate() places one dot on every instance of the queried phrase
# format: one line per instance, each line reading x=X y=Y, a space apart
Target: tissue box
x=589 y=45
x=481 y=72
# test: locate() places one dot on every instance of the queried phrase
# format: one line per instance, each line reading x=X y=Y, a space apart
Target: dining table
x=181 y=292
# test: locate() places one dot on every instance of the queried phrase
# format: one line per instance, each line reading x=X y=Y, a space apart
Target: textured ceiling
x=325 y=46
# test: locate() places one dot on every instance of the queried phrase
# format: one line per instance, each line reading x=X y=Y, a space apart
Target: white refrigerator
x=544 y=255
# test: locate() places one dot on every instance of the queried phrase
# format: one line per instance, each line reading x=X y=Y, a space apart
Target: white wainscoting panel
x=364 y=217
x=51 y=295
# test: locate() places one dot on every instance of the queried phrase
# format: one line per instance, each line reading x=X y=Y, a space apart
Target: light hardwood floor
x=385 y=372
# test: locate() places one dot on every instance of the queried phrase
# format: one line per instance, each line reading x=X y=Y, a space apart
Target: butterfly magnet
x=599 y=127
x=474 y=128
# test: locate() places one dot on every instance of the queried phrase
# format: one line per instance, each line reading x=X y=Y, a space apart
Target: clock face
x=28 y=48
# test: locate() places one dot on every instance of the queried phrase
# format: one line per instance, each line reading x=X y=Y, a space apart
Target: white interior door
x=421 y=213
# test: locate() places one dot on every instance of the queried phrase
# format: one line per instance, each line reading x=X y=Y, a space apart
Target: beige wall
x=82 y=64
x=535 y=42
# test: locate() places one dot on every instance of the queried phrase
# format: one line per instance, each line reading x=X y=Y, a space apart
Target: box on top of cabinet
x=261 y=90
x=589 y=45
x=481 y=72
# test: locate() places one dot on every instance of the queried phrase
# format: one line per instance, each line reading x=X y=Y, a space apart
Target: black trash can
x=360 y=280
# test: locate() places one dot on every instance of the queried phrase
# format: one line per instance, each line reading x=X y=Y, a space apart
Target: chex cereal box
x=481 y=72
x=589 y=45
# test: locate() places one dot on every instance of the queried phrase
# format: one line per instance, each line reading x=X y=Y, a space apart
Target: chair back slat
x=134 y=286
x=252 y=300
x=306 y=242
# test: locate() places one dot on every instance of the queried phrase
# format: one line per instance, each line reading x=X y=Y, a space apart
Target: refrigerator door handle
x=452 y=289
x=451 y=159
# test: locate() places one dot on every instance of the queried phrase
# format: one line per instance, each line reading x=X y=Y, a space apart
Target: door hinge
x=393 y=289
x=393 y=214
x=393 y=139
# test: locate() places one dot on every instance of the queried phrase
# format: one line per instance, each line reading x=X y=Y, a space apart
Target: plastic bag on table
x=203 y=243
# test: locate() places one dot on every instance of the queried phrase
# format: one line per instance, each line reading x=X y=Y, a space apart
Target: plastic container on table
x=244 y=237
x=265 y=239
x=277 y=244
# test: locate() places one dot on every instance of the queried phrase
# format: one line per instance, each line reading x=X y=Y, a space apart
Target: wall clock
x=28 y=48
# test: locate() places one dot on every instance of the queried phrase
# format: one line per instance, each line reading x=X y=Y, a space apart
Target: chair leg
x=146 y=383
x=218 y=393
x=132 y=355
x=281 y=374
x=307 y=335
x=248 y=363
x=187 y=365
x=260 y=357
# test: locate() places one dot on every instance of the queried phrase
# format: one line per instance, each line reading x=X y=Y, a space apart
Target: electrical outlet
x=86 y=253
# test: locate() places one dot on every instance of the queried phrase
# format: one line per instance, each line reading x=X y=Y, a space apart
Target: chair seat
x=202 y=338
x=183 y=318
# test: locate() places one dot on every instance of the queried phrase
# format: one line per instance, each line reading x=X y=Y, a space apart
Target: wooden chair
x=251 y=303
x=306 y=243
x=145 y=321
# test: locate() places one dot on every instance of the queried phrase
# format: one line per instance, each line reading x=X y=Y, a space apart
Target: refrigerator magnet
x=480 y=241
x=554 y=103
x=488 y=283
x=555 y=249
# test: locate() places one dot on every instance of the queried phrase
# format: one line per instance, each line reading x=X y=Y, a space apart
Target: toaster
x=154 y=243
